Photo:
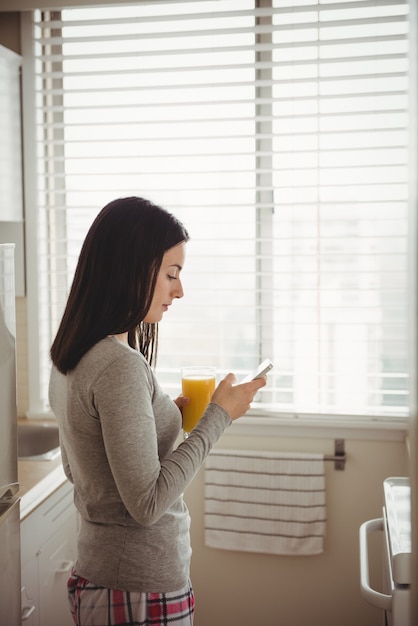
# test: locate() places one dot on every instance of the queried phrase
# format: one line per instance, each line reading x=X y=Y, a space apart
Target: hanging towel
x=271 y=502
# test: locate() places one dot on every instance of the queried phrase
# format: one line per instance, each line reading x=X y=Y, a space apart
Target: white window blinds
x=277 y=131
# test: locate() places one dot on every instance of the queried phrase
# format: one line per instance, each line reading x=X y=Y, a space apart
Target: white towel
x=271 y=502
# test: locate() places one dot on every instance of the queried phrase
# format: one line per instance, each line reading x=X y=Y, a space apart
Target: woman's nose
x=179 y=293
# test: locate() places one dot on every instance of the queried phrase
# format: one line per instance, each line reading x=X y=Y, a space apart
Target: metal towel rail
x=339 y=456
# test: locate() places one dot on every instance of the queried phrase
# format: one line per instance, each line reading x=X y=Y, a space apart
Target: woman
x=118 y=429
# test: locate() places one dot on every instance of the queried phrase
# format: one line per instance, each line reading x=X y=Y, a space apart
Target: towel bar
x=339 y=456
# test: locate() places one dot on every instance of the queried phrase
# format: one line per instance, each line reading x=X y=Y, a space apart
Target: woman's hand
x=236 y=399
x=181 y=401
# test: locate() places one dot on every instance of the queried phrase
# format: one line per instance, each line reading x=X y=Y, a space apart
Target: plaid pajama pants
x=93 y=605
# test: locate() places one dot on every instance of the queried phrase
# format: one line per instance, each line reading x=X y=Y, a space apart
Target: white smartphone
x=261 y=370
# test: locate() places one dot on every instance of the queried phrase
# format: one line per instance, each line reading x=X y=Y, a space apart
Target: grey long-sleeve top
x=117 y=433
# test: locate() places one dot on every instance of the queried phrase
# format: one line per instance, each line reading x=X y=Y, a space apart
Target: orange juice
x=199 y=388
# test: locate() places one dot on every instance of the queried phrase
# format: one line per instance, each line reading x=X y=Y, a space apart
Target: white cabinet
x=30 y=595
x=48 y=549
x=11 y=194
x=11 y=171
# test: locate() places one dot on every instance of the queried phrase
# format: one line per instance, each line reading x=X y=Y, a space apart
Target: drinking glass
x=198 y=383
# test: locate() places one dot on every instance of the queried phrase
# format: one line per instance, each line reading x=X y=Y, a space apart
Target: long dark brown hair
x=115 y=279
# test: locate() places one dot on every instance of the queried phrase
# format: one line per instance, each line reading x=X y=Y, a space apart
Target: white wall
x=245 y=589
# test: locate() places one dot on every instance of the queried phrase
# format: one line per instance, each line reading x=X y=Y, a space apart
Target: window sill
x=258 y=424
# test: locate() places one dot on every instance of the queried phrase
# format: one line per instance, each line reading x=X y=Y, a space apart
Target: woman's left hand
x=181 y=401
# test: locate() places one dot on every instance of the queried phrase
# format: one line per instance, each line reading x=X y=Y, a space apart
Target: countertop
x=37 y=481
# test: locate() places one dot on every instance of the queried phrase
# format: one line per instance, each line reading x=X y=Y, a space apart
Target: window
x=277 y=131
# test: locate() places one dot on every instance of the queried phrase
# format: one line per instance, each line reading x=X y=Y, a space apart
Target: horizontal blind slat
x=253 y=30
x=258 y=47
x=256 y=12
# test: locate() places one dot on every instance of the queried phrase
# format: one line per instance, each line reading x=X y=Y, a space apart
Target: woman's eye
x=172 y=277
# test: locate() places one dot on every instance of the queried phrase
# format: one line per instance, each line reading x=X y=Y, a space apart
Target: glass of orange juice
x=198 y=383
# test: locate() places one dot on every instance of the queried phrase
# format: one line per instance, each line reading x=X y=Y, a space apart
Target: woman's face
x=168 y=285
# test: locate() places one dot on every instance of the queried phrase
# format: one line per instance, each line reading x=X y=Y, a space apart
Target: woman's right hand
x=236 y=399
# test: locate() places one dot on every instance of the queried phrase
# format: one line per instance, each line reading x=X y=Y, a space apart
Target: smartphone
x=261 y=370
